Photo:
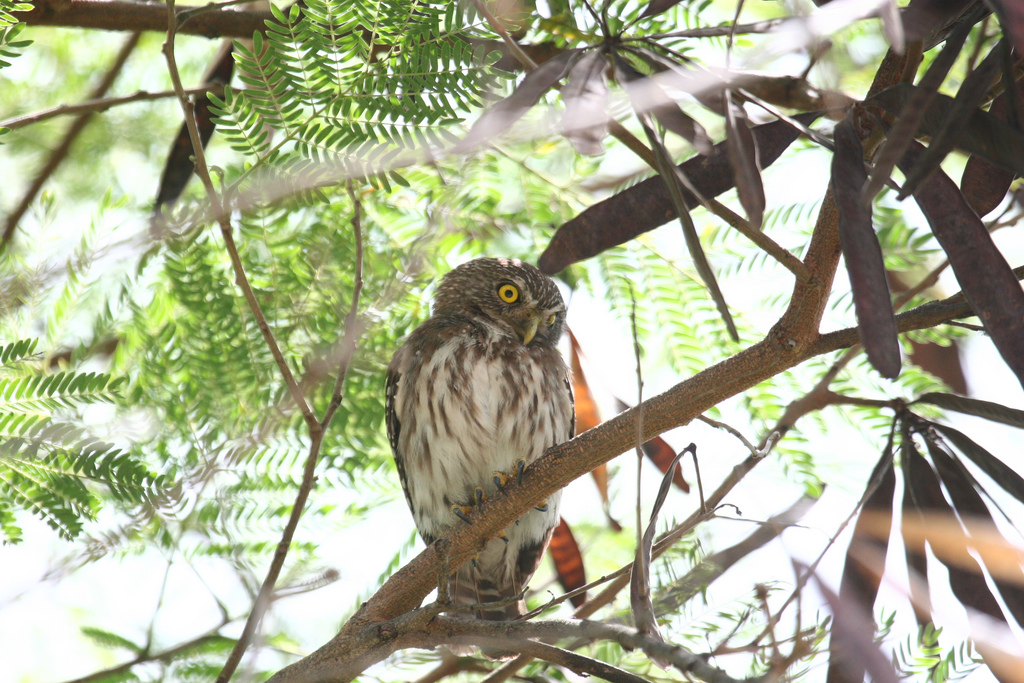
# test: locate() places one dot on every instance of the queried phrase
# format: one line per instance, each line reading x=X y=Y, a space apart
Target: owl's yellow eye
x=551 y=320
x=508 y=293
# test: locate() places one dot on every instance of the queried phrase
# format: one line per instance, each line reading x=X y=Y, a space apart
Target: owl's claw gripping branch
x=501 y=479
x=462 y=512
x=543 y=507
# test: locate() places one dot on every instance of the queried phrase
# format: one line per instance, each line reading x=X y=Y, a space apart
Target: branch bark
x=113 y=15
x=117 y=15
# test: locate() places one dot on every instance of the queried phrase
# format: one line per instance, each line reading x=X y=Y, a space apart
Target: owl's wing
x=395 y=427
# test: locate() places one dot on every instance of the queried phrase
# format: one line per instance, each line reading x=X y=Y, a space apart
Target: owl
x=474 y=395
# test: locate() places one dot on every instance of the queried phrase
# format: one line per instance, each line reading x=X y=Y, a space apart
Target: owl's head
x=508 y=292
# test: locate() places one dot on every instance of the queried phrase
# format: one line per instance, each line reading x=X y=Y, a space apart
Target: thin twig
x=217 y=206
x=700 y=484
x=762 y=596
x=615 y=129
x=967 y=326
x=61 y=151
x=717 y=31
x=774 y=111
x=802 y=579
x=933 y=276
x=732 y=430
x=352 y=324
x=732 y=34
x=839 y=400
x=497 y=27
x=639 y=414
x=507 y=670
x=316 y=429
x=96 y=105
x=682 y=590
x=759 y=238
x=167 y=655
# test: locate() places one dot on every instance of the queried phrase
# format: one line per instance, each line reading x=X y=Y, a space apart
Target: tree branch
x=96 y=105
x=217 y=207
x=565 y=462
x=577 y=663
x=113 y=15
x=61 y=151
x=716 y=564
x=165 y=656
x=425 y=628
x=353 y=326
x=116 y=15
x=316 y=428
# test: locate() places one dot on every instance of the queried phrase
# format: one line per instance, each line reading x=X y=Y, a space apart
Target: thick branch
x=114 y=15
x=142 y=16
x=426 y=629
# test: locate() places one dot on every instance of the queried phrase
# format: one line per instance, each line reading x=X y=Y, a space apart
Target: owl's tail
x=470 y=587
x=499 y=576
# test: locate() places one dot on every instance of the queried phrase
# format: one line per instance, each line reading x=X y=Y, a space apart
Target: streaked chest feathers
x=478 y=407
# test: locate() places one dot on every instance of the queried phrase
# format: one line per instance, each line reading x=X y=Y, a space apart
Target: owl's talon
x=462 y=512
x=499 y=479
x=479 y=494
x=543 y=507
x=502 y=536
x=473 y=560
x=520 y=468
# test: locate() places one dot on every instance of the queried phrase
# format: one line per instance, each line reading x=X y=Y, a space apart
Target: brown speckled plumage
x=466 y=397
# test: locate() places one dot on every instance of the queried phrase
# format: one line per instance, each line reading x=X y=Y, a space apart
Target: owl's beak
x=527 y=328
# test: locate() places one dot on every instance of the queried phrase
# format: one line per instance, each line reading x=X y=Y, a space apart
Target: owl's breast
x=470 y=406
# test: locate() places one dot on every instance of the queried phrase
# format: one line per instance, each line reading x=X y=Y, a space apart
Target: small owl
x=475 y=394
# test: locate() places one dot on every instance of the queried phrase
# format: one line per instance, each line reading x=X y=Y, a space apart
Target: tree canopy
x=220 y=221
